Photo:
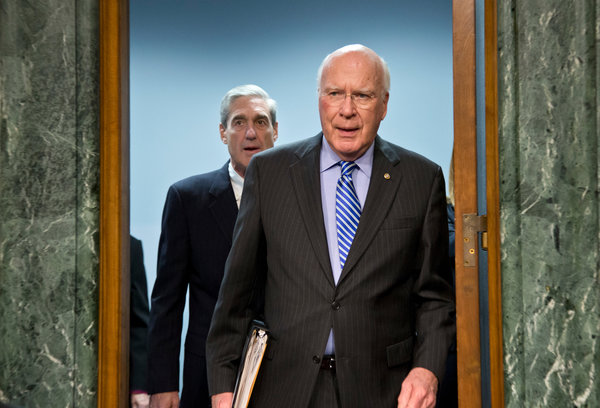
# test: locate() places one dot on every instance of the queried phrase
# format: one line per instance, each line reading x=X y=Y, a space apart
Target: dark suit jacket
x=392 y=308
x=138 y=319
x=197 y=227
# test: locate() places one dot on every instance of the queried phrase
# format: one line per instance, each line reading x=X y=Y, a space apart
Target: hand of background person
x=141 y=400
x=165 y=400
x=418 y=389
x=223 y=400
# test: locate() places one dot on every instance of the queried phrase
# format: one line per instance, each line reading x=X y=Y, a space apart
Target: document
x=252 y=356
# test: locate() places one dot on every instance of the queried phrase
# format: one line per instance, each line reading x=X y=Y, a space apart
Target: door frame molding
x=113 y=310
x=465 y=190
x=465 y=187
x=493 y=203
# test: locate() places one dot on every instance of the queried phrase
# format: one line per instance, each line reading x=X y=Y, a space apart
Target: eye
x=363 y=96
x=334 y=94
x=238 y=122
x=262 y=122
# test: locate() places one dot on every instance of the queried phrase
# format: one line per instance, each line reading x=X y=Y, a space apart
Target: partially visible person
x=197 y=227
x=448 y=391
x=344 y=237
x=138 y=332
x=451 y=219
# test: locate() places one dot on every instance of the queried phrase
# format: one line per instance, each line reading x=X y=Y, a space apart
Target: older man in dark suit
x=344 y=237
x=197 y=227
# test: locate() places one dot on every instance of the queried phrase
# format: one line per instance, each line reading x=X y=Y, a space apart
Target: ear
x=222 y=132
x=386 y=98
x=275 y=131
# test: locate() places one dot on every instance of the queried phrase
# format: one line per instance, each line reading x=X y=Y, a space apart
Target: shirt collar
x=329 y=158
x=236 y=179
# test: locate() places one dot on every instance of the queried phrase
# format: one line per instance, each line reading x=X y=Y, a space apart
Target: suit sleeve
x=139 y=316
x=235 y=309
x=168 y=297
x=432 y=292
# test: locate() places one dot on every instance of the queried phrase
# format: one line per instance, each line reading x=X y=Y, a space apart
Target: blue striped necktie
x=347 y=210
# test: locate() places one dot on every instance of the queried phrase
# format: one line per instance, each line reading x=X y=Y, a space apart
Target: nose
x=347 y=109
x=250 y=132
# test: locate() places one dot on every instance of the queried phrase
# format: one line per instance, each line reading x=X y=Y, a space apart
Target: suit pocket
x=399 y=223
x=400 y=353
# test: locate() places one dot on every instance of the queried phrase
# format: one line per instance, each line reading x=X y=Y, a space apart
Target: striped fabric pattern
x=347 y=210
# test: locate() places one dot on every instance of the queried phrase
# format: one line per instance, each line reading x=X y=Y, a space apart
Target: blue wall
x=186 y=54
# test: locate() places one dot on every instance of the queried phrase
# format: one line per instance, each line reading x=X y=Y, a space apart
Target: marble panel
x=48 y=202
x=548 y=63
x=88 y=199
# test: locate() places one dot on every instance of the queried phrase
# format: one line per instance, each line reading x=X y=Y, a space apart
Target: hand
x=418 y=389
x=141 y=400
x=223 y=400
x=165 y=400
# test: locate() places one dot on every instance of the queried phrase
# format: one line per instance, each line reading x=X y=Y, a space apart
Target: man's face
x=249 y=130
x=352 y=103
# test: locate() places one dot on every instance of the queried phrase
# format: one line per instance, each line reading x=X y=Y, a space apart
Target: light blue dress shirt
x=330 y=174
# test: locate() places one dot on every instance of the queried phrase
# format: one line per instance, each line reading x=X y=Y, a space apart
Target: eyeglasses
x=360 y=99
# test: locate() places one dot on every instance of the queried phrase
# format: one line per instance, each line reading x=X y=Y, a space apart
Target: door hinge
x=472 y=225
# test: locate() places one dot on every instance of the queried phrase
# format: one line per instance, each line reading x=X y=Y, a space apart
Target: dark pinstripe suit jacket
x=197 y=227
x=393 y=306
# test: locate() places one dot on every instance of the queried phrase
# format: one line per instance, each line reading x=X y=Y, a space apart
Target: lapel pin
x=387 y=176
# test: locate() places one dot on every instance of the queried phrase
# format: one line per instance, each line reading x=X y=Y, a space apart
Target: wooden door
x=470 y=218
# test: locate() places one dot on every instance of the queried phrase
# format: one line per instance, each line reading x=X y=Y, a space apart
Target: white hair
x=356 y=48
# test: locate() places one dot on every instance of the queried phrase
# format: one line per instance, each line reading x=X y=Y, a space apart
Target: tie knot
x=348 y=167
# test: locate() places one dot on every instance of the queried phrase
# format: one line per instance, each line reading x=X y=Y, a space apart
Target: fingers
x=165 y=400
x=404 y=397
x=418 y=398
x=223 y=400
x=418 y=389
x=140 y=400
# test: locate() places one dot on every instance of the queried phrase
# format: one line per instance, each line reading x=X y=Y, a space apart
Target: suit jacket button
x=316 y=359
x=335 y=305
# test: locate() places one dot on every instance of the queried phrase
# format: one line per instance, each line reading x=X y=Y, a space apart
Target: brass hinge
x=472 y=225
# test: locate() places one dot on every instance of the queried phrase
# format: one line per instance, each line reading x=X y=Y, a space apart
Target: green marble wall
x=49 y=202
x=549 y=140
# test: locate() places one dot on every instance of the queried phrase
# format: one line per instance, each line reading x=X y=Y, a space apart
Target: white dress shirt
x=237 y=183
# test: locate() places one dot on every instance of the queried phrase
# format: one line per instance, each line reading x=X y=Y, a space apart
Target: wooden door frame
x=465 y=187
x=493 y=204
x=113 y=355
x=113 y=312
x=465 y=195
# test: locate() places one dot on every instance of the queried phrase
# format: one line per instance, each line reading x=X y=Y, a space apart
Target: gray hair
x=355 y=48
x=246 y=90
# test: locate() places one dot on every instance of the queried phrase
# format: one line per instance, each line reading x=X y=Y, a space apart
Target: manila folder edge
x=254 y=351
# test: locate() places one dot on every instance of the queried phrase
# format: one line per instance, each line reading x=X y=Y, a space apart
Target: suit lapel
x=222 y=202
x=385 y=179
x=307 y=185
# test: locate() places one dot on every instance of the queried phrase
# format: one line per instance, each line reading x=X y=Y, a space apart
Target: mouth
x=252 y=149
x=347 y=131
